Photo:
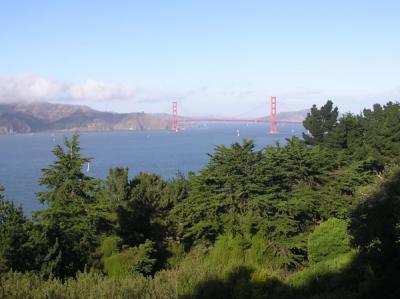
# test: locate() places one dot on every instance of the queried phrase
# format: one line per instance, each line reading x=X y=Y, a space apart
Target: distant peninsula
x=40 y=117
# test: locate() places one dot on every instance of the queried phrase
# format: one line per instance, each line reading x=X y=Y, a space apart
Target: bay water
x=162 y=152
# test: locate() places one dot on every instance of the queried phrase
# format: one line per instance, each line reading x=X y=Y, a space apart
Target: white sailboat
x=238 y=132
x=88 y=167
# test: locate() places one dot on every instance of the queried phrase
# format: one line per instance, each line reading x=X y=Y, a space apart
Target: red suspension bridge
x=273 y=121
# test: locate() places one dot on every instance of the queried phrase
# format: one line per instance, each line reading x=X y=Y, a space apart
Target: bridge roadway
x=249 y=121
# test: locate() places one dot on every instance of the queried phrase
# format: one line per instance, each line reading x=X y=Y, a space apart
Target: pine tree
x=140 y=215
x=13 y=236
x=319 y=122
x=70 y=224
x=220 y=194
x=116 y=187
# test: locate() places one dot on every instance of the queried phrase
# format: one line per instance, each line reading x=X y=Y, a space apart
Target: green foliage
x=176 y=253
x=70 y=226
x=13 y=236
x=376 y=220
x=375 y=226
x=285 y=167
x=253 y=252
x=220 y=192
x=200 y=275
x=241 y=182
x=269 y=223
x=129 y=261
x=320 y=122
x=229 y=249
x=272 y=192
x=110 y=245
x=372 y=136
x=381 y=134
x=328 y=240
x=91 y=285
x=64 y=178
x=326 y=267
x=116 y=187
x=140 y=216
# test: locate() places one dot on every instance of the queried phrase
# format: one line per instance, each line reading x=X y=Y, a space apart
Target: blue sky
x=214 y=57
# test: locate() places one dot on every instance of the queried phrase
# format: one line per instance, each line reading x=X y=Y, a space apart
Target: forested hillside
x=317 y=217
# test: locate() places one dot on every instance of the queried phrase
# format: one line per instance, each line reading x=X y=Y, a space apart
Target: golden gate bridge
x=177 y=121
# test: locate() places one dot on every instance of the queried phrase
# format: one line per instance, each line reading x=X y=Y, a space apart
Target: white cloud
x=94 y=90
x=28 y=88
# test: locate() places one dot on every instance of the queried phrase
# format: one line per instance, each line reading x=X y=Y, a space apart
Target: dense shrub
x=176 y=253
x=311 y=274
x=110 y=245
x=256 y=252
x=229 y=249
x=15 y=285
x=328 y=240
x=130 y=261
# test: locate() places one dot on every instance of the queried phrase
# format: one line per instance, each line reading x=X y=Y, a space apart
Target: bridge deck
x=249 y=121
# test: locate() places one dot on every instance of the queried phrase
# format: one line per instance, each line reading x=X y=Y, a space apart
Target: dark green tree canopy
x=71 y=225
x=139 y=215
x=64 y=179
x=13 y=236
x=319 y=122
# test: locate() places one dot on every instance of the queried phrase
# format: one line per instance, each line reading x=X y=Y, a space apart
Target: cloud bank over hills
x=33 y=88
x=226 y=100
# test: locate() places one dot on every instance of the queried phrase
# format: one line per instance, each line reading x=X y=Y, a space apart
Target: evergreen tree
x=70 y=223
x=116 y=188
x=220 y=193
x=346 y=134
x=319 y=122
x=13 y=236
x=375 y=227
x=382 y=131
x=140 y=216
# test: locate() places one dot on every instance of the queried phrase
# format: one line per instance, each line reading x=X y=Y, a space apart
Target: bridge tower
x=273 y=118
x=174 y=117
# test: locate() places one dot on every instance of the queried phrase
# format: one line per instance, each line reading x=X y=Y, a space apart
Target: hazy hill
x=299 y=115
x=36 y=117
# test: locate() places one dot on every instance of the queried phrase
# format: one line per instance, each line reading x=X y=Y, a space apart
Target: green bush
x=193 y=270
x=313 y=273
x=260 y=254
x=255 y=252
x=328 y=240
x=110 y=245
x=176 y=252
x=229 y=249
x=132 y=260
x=88 y=286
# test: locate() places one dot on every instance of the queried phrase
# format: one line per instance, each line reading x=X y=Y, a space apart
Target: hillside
x=37 y=117
x=299 y=115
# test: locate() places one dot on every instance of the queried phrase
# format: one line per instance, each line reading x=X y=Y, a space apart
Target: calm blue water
x=23 y=156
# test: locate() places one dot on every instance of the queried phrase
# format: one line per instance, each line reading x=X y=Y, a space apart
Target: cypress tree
x=319 y=122
x=70 y=224
x=13 y=236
